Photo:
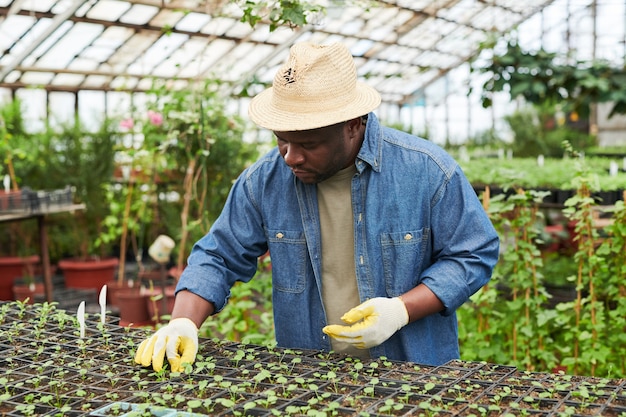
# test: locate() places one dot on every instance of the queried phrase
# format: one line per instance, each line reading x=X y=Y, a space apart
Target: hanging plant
x=292 y=13
x=543 y=76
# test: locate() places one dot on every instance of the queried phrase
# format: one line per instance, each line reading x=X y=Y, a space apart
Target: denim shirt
x=416 y=220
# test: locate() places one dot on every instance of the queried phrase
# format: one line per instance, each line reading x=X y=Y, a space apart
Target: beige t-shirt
x=339 y=288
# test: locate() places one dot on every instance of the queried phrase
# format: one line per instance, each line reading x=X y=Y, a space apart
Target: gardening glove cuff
x=178 y=341
x=370 y=323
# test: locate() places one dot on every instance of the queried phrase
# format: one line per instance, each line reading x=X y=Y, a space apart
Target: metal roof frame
x=400 y=46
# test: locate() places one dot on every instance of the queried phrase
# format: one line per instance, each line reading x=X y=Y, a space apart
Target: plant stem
x=120 y=274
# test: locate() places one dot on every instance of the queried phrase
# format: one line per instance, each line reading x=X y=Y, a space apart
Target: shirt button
x=279 y=235
x=408 y=236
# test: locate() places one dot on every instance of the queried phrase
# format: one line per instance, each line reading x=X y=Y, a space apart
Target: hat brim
x=266 y=115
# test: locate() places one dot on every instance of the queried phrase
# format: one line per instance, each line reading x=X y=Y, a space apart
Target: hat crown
x=316 y=86
x=315 y=74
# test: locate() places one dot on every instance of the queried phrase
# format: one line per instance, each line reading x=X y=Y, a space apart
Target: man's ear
x=354 y=126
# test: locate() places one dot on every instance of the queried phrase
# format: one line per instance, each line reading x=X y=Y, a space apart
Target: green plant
x=588 y=323
x=195 y=150
x=14 y=141
x=543 y=76
x=26 y=409
x=17 y=148
x=518 y=275
x=274 y=376
x=128 y=216
x=292 y=13
x=512 y=311
x=72 y=154
x=526 y=173
x=248 y=315
x=612 y=291
x=269 y=398
x=390 y=406
x=537 y=130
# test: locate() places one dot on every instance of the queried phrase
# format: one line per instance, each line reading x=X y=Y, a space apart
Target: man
x=358 y=219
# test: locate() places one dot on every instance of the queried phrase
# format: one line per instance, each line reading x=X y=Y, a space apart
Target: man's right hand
x=178 y=340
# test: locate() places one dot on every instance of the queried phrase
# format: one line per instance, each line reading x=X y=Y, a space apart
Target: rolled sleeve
x=465 y=246
x=229 y=252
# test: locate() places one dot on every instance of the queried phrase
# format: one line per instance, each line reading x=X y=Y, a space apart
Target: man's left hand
x=370 y=323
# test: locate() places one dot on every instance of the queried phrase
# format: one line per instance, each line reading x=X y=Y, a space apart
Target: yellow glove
x=178 y=341
x=372 y=322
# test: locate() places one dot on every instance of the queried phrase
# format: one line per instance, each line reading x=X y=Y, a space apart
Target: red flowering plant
x=132 y=194
x=179 y=159
x=203 y=151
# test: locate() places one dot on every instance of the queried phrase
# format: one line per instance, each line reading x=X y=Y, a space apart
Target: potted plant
x=17 y=248
x=28 y=287
x=12 y=141
x=202 y=151
x=185 y=146
x=133 y=197
x=87 y=157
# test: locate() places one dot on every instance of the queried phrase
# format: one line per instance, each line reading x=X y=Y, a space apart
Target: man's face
x=317 y=154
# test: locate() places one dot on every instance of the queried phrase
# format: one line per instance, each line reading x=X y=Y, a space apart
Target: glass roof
x=400 y=46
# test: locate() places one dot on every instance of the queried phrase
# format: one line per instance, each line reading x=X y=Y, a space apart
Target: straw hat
x=316 y=87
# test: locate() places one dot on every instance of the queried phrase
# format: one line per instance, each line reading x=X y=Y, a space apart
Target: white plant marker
x=80 y=315
x=103 y=304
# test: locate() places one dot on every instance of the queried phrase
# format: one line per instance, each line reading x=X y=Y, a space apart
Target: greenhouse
x=321 y=208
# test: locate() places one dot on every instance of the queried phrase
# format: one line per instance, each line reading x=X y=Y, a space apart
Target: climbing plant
x=513 y=321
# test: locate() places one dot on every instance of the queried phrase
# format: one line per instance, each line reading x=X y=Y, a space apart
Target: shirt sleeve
x=465 y=244
x=229 y=252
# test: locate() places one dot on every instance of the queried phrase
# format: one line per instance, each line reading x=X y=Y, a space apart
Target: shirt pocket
x=403 y=254
x=288 y=252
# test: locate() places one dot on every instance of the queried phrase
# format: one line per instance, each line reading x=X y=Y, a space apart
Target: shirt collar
x=371 y=149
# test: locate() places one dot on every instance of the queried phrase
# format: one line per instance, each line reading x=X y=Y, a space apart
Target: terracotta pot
x=88 y=273
x=11 y=201
x=22 y=292
x=114 y=287
x=155 y=306
x=12 y=267
x=133 y=307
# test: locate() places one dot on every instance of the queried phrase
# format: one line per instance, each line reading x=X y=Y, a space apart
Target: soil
x=44 y=371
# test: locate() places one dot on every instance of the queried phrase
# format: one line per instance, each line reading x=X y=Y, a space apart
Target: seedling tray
x=48 y=369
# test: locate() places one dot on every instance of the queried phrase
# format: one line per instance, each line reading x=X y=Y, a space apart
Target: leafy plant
x=248 y=315
x=72 y=155
x=190 y=147
x=311 y=386
x=538 y=130
x=512 y=311
x=292 y=13
x=15 y=145
x=526 y=173
x=541 y=76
